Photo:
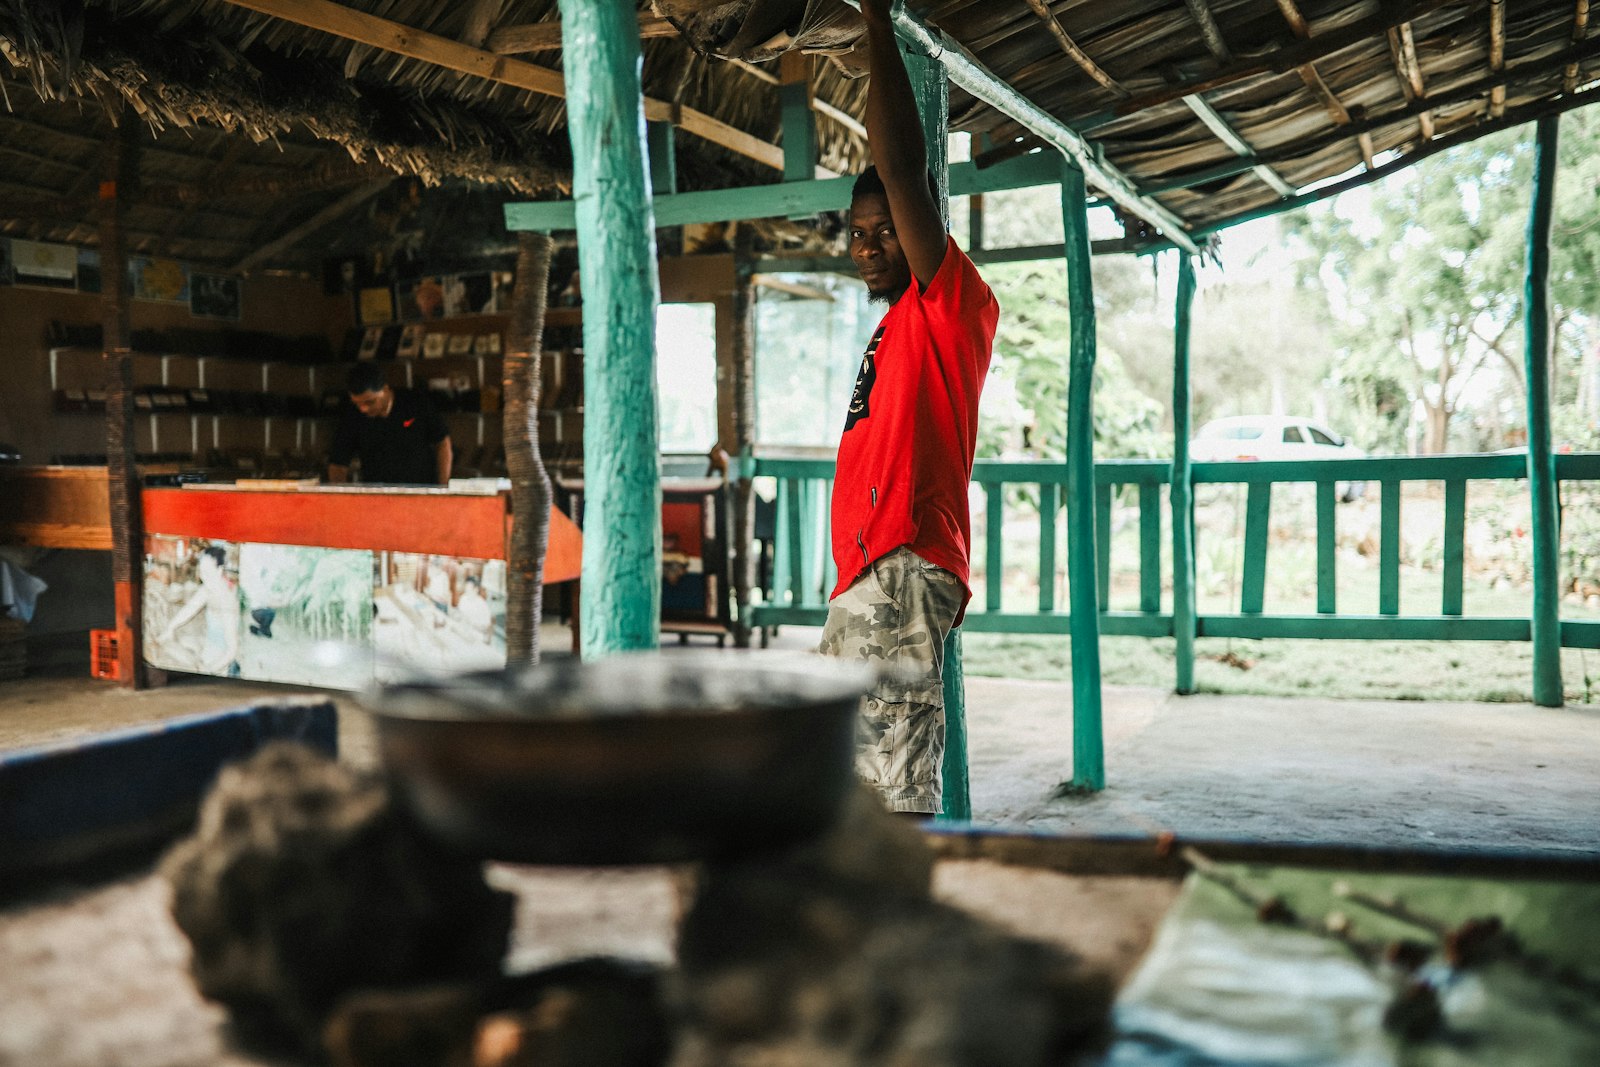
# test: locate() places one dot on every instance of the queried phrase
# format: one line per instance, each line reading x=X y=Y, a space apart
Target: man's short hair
x=218 y=554
x=365 y=378
x=869 y=183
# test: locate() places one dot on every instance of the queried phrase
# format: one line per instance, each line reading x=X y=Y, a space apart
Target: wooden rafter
x=336 y=210
x=1073 y=51
x=217 y=175
x=1497 y=55
x=332 y=18
x=1210 y=32
x=1363 y=124
x=1275 y=61
x=546 y=36
x=476 y=25
x=1337 y=112
x=1580 y=30
x=820 y=106
x=1403 y=50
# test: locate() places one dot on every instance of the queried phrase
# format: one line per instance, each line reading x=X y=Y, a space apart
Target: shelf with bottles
x=199 y=385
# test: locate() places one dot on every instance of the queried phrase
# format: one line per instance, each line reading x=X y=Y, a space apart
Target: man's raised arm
x=894 y=133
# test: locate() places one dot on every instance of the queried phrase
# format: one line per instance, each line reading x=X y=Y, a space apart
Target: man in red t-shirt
x=901 y=528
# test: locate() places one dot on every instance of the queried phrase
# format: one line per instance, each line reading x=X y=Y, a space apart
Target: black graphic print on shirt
x=863 y=391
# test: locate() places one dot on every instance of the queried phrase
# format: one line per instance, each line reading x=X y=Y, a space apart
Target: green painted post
x=1327 y=546
x=1049 y=496
x=1102 y=544
x=1389 y=548
x=1088 y=745
x=1455 y=545
x=932 y=89
x=1546 y=619
x=799 y=121
x=1257 y=524
x=621 y=597
x=1150 y=547
x=1182 y=492
x=993 y=542
x=663 y=153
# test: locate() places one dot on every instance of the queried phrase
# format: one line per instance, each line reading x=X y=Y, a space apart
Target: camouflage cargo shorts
x=897 y=614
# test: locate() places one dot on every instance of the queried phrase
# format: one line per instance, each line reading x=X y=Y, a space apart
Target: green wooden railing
x=804 y=575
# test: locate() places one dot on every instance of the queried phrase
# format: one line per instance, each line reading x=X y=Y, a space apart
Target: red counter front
x=331 y=586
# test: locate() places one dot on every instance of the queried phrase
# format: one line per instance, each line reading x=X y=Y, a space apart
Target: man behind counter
x=397 y=434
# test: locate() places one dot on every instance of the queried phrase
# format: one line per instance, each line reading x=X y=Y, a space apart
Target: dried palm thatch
x=1214 y=109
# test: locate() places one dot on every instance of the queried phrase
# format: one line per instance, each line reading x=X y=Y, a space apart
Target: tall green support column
x=1183 y=612
x=1088 y=746
x=932 y=88
x=620 y=605
x=1547 y=688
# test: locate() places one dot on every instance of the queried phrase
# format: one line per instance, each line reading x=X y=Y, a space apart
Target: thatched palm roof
x=1213 y=109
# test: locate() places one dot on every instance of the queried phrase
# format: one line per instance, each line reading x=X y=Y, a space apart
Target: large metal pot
x=633 y=759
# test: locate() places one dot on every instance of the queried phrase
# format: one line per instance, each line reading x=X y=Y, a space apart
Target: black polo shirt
x=398 y=449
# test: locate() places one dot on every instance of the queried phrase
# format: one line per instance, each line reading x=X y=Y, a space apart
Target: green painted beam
x=1580 y=634
x=1365 y=627
x=785 y=199
x=796 y=518
x=1088 y=742
x=1547 y=688
x=1455 y=547
x=1327 y=549
x=956 y=788
x=621 y=591
x=1371 y=469
x=1182 y=475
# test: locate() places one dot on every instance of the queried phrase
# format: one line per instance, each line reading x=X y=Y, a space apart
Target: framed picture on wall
x=214 y=296
x=370 y=340
x=375 y=306
x=410 y=341
x=433 y=345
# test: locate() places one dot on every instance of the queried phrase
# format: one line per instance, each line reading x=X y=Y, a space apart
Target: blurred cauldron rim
x=628 y=685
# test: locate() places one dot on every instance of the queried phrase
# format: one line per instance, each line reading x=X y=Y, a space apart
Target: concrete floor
x=1456 y=775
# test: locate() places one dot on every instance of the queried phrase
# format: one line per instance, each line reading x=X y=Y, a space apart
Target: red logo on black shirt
x=859 y=408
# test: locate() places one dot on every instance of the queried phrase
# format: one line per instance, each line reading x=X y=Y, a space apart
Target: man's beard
x=878 y=296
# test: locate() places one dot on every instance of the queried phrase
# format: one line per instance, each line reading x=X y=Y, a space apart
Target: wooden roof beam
x=1497 y=55
x=1210 y=32
x=1073 y=51
x=820 y=106
x=1363 y=125
x=334 y=211
x=546 y=36
x=351 y=25
x=1403 y=50
x=1240 y=147
x=1337 y=112
x=1580 y=30
x=983 y=84
x=1276 y=61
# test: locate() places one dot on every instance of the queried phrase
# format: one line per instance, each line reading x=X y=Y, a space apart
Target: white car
x=1273 y=437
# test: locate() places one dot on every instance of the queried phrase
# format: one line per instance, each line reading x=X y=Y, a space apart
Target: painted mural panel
x=439 y=613
x=193 y=614
x=295 y=598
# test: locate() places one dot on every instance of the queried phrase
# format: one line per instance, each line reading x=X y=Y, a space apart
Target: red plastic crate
x=103 y=661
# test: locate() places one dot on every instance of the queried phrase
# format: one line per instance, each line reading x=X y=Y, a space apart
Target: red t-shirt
x=906 y=455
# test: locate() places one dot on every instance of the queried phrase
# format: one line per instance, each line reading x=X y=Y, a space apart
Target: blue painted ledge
x=77 y=801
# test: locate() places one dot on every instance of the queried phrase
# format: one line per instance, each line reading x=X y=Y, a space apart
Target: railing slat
x=1389 y=549
x=797 y=557
x=1455 y=544
x=994 y=539
x=1102 y=543
x=1257 y=515
x=1327 y=547
x=1149 y=546
x=1049 y=504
